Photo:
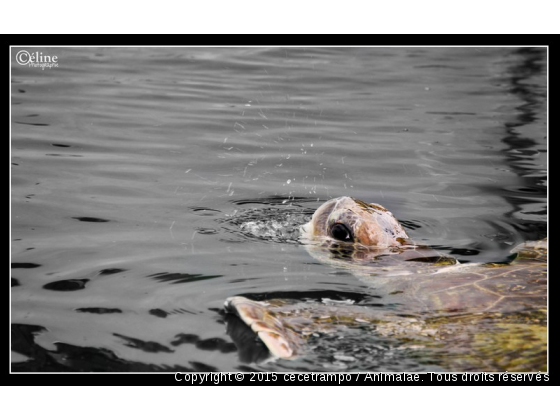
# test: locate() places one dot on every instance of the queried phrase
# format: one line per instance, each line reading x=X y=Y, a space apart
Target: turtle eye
x=341 y=233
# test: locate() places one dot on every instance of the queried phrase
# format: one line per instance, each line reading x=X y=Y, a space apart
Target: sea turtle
x=463 y=316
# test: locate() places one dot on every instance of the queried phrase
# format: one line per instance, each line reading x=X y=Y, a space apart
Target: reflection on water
x=148 y=185
x=526 y=152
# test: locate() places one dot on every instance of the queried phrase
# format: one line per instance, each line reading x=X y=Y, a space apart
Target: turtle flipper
x=281 y=341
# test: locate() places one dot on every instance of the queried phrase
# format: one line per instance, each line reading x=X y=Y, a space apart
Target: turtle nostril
x=341 y=233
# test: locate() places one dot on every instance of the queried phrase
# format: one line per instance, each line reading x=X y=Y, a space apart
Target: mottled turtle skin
x=370 y=225
x=442 y=304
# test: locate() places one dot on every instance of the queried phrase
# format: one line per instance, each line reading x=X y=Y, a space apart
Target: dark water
x=134 y=170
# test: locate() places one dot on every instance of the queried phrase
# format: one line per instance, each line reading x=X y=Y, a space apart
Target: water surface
x=134 y=170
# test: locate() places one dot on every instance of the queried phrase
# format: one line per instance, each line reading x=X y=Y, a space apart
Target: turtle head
x=353 y=221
